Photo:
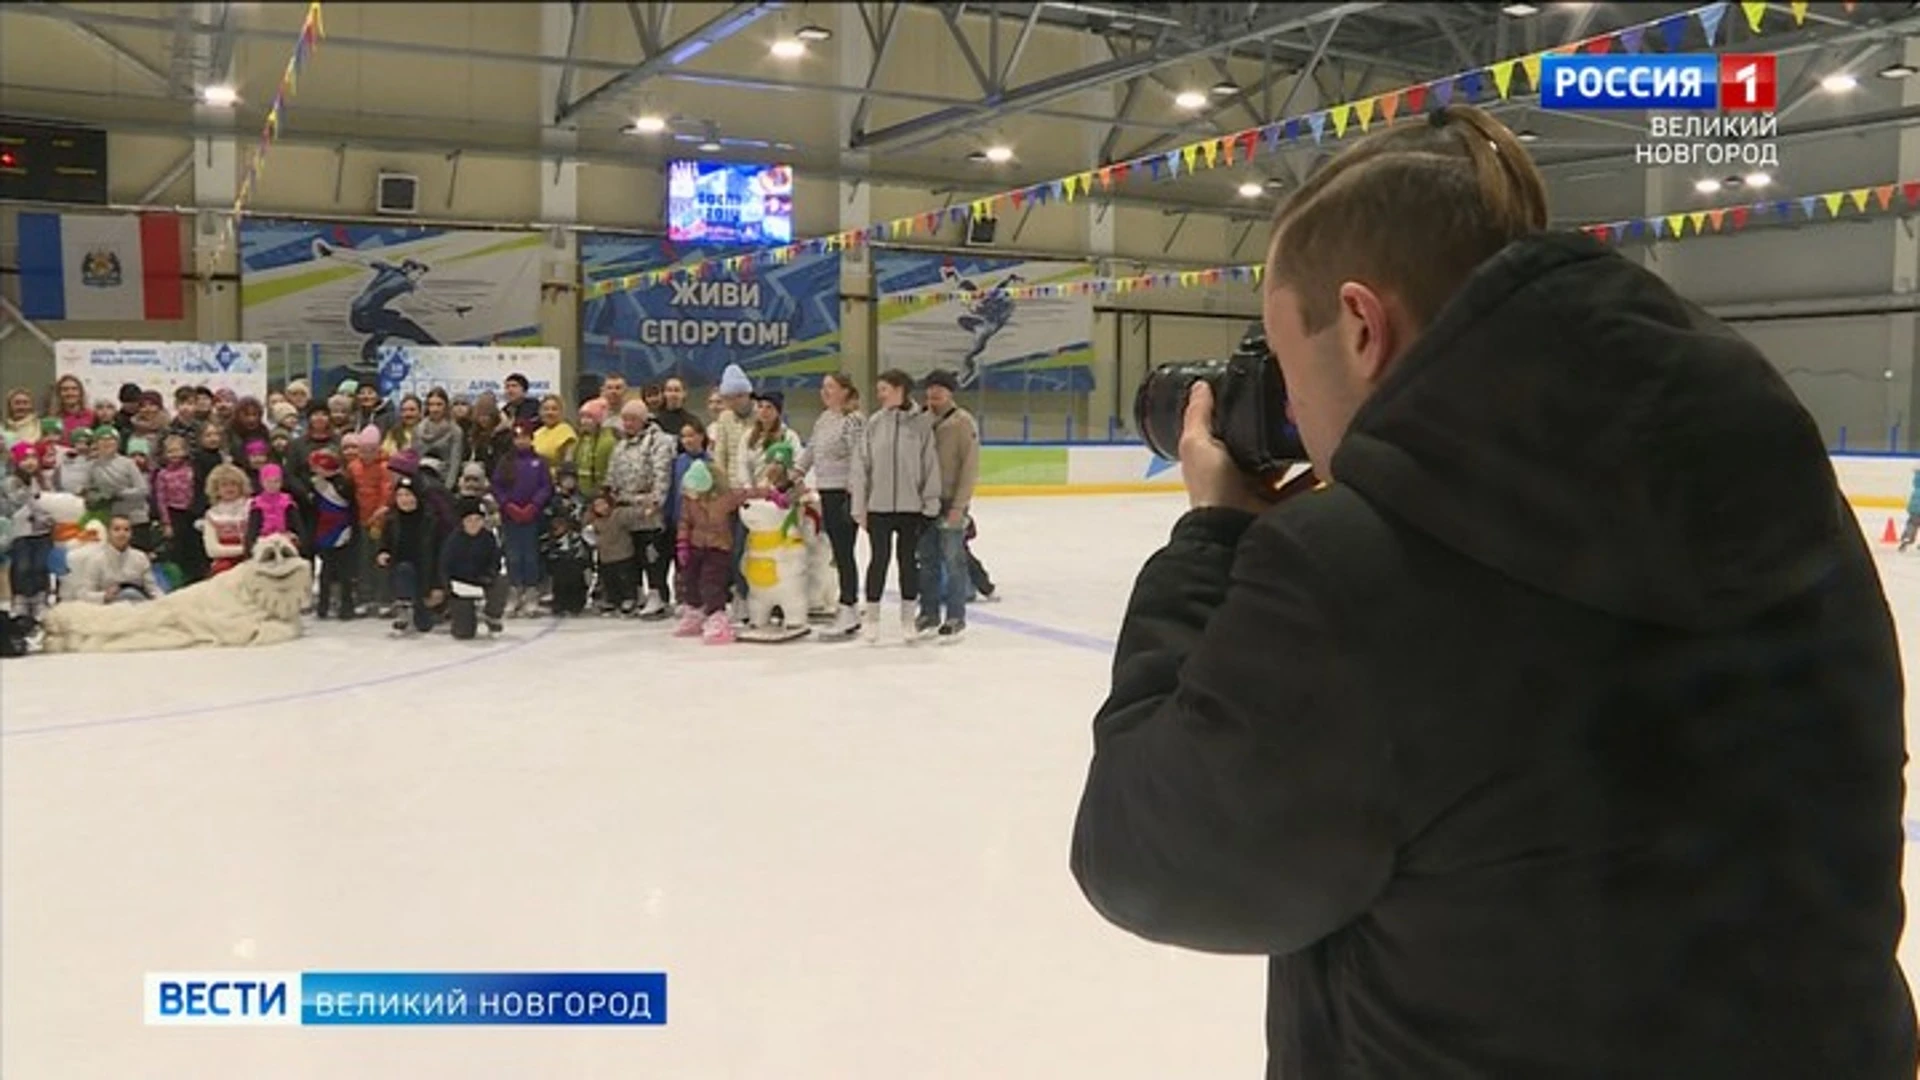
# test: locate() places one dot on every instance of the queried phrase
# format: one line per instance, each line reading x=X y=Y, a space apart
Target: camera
x=1249 y=408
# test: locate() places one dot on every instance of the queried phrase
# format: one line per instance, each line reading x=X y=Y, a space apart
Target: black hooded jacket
x=1561 y=736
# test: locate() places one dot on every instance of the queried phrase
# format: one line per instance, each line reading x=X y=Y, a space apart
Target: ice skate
x=718 y=630
x=952 y=630
x=870 y=623
x=690 y=622
x=915 y=626
x=655 y=607
x=846 y=623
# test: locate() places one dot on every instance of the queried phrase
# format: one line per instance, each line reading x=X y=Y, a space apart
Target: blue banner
x=405 y=998
x=779 y=323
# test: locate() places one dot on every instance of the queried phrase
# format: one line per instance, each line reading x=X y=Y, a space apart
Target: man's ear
x=1370 y=332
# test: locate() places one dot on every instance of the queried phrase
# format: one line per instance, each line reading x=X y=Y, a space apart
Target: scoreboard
x=47 y=162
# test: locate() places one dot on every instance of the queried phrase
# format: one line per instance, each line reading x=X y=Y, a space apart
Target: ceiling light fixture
x=1251 y=190
x=999 y=155
x=1898 y=71
x=813 y=32
x=789 y=48
x=1275 y=183
x=220 y=97
x=1527 y=135
x=1758 y=179
x=1190 y=99
x=1224 y=88
x=648 y=125
x=1520 y=11
x=1732 y=182
x=1707 y=186
x=1839 y=83
x=977 y=155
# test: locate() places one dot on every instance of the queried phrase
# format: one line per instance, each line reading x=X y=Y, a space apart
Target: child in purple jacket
x=522 y=486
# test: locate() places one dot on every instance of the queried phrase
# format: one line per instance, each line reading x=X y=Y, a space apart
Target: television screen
x=718 y=203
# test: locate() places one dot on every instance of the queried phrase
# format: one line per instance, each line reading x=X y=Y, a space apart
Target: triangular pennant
x=1910 y=191
x=1784 y=209
x=1318 y=122
x=1676 y=224
x=1847 y=6
x=1339 y=113
x=1502 y=77
x=1859 y=197
x=1698 y=219
x=1710 y=17
x=1173 y=159
x=1211 y=150
x=1531 y=64
x=1619 y=229
x=1189 y=154
x=1739 y=217
x=1673 y=31
x=1800 y=12
x=1154 y=165
x=1364 y=110
x=1884 y=196
x=1292 y=131
x=1633 y=39
x=1106 y=178
x=1389 y=105
x=1601 y=45
x=1017 y=197
x=1807 y=203
x=1120 y=172
x=1247 y=139
x=1833 y=199
x=1086 y=183
x=1755 y=12
x=1271 y=136
x=1470 y=86
x=1714 y=217
x=1442 y=93
x=1416 y=98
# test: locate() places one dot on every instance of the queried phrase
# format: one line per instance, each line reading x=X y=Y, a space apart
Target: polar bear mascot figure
x=255 y=603
x=776 y=570
x=823 y=581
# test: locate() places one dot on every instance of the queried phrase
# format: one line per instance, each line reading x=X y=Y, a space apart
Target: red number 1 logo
x=1747 y=83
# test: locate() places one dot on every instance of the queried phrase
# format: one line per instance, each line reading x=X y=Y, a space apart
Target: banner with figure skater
x=980 y=330
x=351 y=289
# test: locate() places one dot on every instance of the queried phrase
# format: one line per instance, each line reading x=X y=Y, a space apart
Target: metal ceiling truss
x=952 y=120
x=731 y=19
x=880 y=27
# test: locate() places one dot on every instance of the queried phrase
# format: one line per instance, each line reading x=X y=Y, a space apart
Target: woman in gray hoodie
x=895 y=483
x=830 y=453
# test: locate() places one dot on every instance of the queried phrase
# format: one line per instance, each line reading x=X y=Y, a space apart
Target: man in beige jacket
x=943 y=547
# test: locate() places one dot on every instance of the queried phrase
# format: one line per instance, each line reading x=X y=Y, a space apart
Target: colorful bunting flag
x=1502 y=77
x=1318 y=122
x=1339 y=113
x=1710 y=17
x=1442 y=93
x=1531 y=64
x=1755 y=13
x=1884 y=196
x=1800 y=12
x=1698 y=219
x=1389 y=105
x=1676 y=224
x=1807 y=204
x=1673 y=31
x=1416 y=98
x=1859 y=197
x=1714 y=218
x=1833 y=200
x=1601 y=45
x=1633 y=39
x=1364 y=110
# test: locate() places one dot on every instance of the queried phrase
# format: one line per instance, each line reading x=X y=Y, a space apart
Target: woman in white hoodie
x=895 y=483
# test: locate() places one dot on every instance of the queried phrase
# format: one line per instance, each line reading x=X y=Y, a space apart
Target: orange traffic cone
x=1890 y=535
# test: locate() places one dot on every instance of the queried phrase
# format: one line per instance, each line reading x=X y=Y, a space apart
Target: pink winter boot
x=719 y=629
x=690 y=620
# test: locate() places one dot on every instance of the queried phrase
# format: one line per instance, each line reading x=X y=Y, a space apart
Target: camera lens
x=1160 y=406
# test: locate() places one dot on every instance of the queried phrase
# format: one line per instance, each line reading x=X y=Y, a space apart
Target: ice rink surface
x=850 y=860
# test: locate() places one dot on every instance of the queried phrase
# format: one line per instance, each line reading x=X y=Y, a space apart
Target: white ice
x=850 y=860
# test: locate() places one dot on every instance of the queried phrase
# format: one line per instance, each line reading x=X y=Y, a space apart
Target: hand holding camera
x=1226 y=423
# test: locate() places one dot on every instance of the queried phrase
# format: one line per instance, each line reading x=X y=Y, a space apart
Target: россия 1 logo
x=1741 y=88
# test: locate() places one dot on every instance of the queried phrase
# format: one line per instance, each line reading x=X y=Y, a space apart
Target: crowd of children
x=440 y=510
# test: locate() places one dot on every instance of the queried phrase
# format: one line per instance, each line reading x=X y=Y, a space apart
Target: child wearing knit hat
x=32 y=544
x=373 y=494
x=333 y=522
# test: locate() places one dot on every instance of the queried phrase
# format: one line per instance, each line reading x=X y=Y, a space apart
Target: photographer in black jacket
x=1521 y=747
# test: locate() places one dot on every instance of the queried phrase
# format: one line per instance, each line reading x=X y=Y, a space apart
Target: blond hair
x=1411 y=211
